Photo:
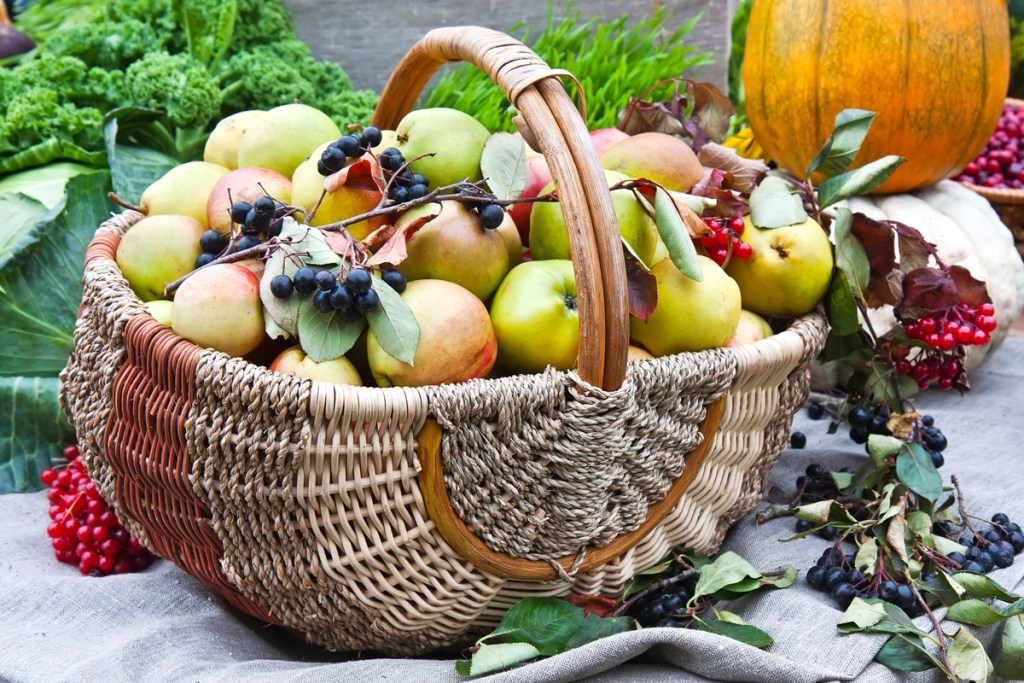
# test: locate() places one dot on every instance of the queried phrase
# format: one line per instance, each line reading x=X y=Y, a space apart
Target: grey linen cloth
x=162 y=625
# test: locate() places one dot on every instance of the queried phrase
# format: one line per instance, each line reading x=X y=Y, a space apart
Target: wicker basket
x=406 y=520
x=1009 y=204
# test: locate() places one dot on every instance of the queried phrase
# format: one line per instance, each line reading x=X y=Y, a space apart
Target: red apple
x=603 y=138
x=219 y=307
x=537 y=176
x=294 y=361
x=244 y=185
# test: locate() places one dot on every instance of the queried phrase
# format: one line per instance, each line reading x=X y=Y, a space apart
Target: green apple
x=457 y=341
x=455 y=246
x=222 y=145
x=183 y=191
x=535 y=317
x=637 y=353
x=284 y=137
x=789 y=270
x=751 y=328
x=219 y=307
x=660 y=157
x=455 y=139
x=158 y=250
x=294 y=361
x=160 y=309
x=345 y=202
x=549 y=239
x=243 y=185
x=690 y=315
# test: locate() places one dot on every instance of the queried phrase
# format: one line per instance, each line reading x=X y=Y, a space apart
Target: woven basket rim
x=766 y=348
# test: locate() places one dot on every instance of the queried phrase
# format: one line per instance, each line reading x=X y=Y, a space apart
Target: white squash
x=966 y=231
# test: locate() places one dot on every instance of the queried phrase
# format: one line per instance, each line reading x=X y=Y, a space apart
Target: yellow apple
x=284 y=137
x=160 y=309
x=454 y=139
x=222 y=145
x=457 y=341
x=294 y=361
x=158 y=250
x=751 y=328
x=183 y=190
x=660 y=157
x=789 y=270
x=345 y=202
x=690 y=315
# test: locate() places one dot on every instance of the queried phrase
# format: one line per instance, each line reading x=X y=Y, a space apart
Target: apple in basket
x=219 y=307
x=158 y=250
x=294 y=361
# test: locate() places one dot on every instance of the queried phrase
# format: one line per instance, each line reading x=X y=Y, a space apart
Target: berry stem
x=258 y=250
x=655 y=587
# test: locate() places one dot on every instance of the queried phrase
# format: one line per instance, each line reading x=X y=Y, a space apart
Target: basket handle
x=536 y=91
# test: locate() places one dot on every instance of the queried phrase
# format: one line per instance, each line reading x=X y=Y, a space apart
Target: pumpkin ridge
x=967 y=151
x=819 y=134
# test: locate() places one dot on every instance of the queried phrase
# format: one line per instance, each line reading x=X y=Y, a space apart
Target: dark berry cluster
x=84 y=531
x=1000 y=163
x=257 y=222
x=350 y=297
x=479 y=200
x=946 y=335
x=665 y=608
x=351 y=146
x=813 y=486
x=724 y=241
x=866 y=421
x=932 y=438
x=403 y=184
x=835 y=573
x=992 y=548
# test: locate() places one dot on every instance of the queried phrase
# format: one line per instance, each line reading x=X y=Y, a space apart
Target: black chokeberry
x=204 y=259
x=958 y=557
x=999 y=518
x=348 y=315
x=258 y=221
x=797 y=440
x=816 y=577
x=281 y=286
x=859 y=416
x=391 y=159
x=491 y=216
x=341 y=297
x=239 y=210
x=325 y=280
x=829 y=533
x=371 y=136
x=1016 y=539
x=834 y=577
x=248 y=242
x=1001 y=557
x=992 y=535
x=333 y=160
x=368 y=301
x=972 y=566
x=854 y=576
x=859 y=434
x=927 y=420
x=358 y=280
x=878 y=425
x=844 y=594
x=937 y=459
x=399 y=194
x=815 y=471
x=802 y=525
x=322 y=302
x=419 y=179
x=394 y=279
x=417 y=190
x=264 y=205
x=904 y=596
x=986 y=561
x=937 y=442
x=305 y=279
x=349 y=145
x=888 y=590
x=815 y=410
x=211 y=241
x=322 y=169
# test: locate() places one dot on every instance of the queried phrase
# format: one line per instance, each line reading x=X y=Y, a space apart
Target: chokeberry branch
x=654 y=587
x=316 y=207
x=940 y=636
x=251 y=252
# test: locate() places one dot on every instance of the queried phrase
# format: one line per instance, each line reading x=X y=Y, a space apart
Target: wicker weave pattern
x=540 y=466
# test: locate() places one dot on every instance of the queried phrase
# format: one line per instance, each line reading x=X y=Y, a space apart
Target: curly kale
x=107 y=44
x=37 y=114
x=177 y=85
x=350 y=106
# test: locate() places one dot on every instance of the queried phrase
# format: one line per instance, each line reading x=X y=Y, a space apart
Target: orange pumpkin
x=935 y=72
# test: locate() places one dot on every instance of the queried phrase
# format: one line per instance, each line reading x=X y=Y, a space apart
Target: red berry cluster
x=946 y=334
x=1000 y=163
x=724 y=241
x=84 y=530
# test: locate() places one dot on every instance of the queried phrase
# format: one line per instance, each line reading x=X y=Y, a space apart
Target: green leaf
x=40 y=287
x=310 y=242
x=905 y=653
x=946 y=546
x=841 y=148
x=675 y=236
x=546 y=623
x=503 y=164
x=21 y=214
x=967 y=657
x=1011 y=660
x=841 y=306
x=915 y=468
x=867 y=556
x=44 y=184
x=843 y=480
x=945 y=587
x=324 y=336
x=881 y=447
x=784 y=578
x=393 y=324
x=826 y=512
x=858 y=181
x=595 y=628
x=851 y=257
x=895 y=621
x=980 y=613
x=48 y=151
x=33 y=430
x=980 y=586
x=498 y=657
x=775 y=204
x=744 y=633
x=863 y=614
x=727 y=569
x=133 y=169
